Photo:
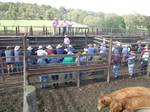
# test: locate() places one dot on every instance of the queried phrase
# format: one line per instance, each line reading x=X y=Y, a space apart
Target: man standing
x=55 y=24
x=144 y=60
x=65 y=26
x=116 y=58
x=66 y=41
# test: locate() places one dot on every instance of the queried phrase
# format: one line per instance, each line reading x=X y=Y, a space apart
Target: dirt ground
x=69 y=99
x=11 y=100
x=73 y=99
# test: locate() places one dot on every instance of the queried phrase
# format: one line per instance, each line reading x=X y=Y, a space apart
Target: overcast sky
x=108 y=6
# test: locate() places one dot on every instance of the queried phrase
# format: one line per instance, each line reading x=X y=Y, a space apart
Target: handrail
x=62 y=69
x=48 y=30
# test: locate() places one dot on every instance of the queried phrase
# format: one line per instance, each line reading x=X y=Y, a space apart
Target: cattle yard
x=77 y=95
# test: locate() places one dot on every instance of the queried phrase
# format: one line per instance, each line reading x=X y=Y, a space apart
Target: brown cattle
x=120 y=94
x=130 y=104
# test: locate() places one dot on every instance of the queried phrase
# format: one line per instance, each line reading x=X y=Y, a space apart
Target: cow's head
x=103 y=102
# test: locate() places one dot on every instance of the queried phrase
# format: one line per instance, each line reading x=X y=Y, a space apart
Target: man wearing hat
x=144 y=59
x=9 y=59
x=18 y=58
x=30 y=59
x=91 y=51
x=41 y=53
x=131 y=63
x=66 y=41
x=68 y=60
x=59 y=51
x=50 y=52
x=55 y=24
x=70 y=48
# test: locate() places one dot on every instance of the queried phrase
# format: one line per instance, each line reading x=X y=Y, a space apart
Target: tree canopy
x=26 y=11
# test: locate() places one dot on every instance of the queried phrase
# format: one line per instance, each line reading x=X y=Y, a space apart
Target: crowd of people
x=121 y=55
x=65 y=25
x=128 y=56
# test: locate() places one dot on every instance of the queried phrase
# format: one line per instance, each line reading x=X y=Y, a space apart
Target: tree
x=93 y=21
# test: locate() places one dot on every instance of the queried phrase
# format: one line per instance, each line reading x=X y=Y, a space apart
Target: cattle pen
x=79 y=94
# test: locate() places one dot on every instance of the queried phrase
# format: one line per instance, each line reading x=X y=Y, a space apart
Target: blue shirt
x=59 y=51
x=17 y=55
x=125 y=51
x=9 y=56
x=91 y=50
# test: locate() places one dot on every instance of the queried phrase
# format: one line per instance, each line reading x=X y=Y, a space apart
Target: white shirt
x=41 y=52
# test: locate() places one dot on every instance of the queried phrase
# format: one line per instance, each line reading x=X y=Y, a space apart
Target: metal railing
x=47 y=30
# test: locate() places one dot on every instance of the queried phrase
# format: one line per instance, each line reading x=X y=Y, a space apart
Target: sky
x=120 y=7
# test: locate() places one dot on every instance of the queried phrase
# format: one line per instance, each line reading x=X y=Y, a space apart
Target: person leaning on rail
x=9 y=56
x=144 y=60
x=41 y=53
x=18 y=58
x=116 y=59
x=131 y=63
x=68 y=60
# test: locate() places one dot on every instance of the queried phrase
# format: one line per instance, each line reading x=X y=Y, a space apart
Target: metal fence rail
x=47 y=30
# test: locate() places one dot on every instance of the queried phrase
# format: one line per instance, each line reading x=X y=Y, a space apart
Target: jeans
x=131 y=69
x=68 y=76
x=18 y=66
x=44 y=81
x=144 y=67
x=115 y=70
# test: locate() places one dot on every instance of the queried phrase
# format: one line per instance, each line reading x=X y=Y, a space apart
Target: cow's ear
x=103 y=101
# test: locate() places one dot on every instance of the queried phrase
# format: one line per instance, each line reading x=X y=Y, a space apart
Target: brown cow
x=120 y=94
x=130 y=104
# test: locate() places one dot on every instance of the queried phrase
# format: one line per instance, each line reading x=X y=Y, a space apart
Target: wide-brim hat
x=7 y=47
x=70 y=45
x=58 y=46
x=124 y=45
x=40 y=47
x=49 y=47
x=85 y=49
x=17 y=48
x=70 y=53
x=65 y=35
x=89 y=45
x=29 y=48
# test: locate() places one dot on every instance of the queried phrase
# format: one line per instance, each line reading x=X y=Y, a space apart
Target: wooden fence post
x=59 y=30
x=109 y=60
x=46 y=31
x=30 y=102
x=86 y=40
x=31 y=30
x=25 y=82
x=78 y=72
x=16 y=30
x=5 y=30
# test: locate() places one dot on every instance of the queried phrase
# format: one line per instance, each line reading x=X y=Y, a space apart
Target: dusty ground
x=11 y=100
x=72 y=99
x=68 y=99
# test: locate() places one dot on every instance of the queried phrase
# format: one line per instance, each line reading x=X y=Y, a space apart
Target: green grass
x=32 y=23
x=37 y=25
